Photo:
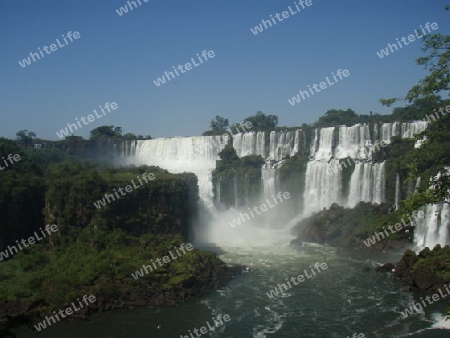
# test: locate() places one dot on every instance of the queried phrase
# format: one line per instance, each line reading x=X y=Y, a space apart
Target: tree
x=263 y=122
x=219 y=124
x=118 y=131
x=336 y=117
x=25 y=137
x=103 y=132
x=416 y=110
x=129 y=136
x=433 y=154
x=73 y=138
x=228 y=154
x=437 y=61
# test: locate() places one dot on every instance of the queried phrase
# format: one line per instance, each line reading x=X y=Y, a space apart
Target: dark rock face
x=427 y=272
x=347 y=228
x=14 y=314
x=388 y=267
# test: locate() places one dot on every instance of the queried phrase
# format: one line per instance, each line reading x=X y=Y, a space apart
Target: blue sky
x=117 y=58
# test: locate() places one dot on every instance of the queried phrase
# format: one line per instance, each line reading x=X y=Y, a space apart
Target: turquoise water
x=337 y=302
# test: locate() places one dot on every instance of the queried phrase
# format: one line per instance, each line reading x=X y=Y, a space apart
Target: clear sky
x=117 y=58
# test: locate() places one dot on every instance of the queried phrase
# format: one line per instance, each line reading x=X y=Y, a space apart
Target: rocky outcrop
x=341 y=227
x=14 y=314
x=388 y=267
x=427 y=272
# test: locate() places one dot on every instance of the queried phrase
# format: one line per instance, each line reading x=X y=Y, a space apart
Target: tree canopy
x=112 y=132
x=437 y=61
x=219 y=126
x=336 y=117
x=432 y=157
x=263 y=122
x=25 y=137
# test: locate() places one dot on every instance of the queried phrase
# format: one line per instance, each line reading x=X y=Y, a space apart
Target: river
x=337 y=302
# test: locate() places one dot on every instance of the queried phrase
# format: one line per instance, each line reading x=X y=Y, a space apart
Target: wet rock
x=388 y=267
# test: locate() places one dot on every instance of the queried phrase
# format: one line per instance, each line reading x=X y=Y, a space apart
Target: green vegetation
x=437 y=60
x=345 y=227
x=111 y=132
x=219 y=126
x=431 y=158
x=242 y=173
x=262 y=122
x=259 y=122
x=25 y=137
x=98 y=262
x=95 y=250
x=428 y=271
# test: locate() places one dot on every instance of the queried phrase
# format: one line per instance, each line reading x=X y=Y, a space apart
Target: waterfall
x=246 y=188
x=269 y=181
x=322 y=186
x=235 y=189
x=403 y=130
x=367 y=184
x=388 y=130
x=249 y=143
x=434 y=228
x=180 y=154
x=323 y=183
x=322 y=146
x=199 y=154
x=218 y=191
x=397 y=192
x=353 y=142
x=281 y=144
x=410 y=129
x=416 y=188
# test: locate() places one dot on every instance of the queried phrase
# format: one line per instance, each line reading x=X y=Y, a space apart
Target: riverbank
x=339 y=301
x=101 y=264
